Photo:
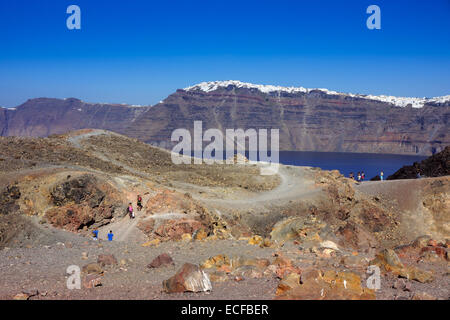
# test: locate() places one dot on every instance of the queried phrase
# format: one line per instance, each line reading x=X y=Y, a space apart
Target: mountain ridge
x=308 y=119
x=416 y=102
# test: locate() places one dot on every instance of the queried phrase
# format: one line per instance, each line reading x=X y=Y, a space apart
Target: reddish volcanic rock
x=189 y=278
x=161 y=261
x=92 y=281
x=106 y=260
x=174 y=229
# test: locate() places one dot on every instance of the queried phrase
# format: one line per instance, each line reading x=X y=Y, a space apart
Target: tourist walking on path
x=363 y=176
x=95 y=234
x=130 y=211
x=139 y=202
x=352 y=176
x=359 y=176
x=110 y=235
x=381 y=175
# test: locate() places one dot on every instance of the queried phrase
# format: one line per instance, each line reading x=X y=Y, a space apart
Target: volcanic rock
x=92 y=268
x=435 y=166
x=328 y=285
x=106 y=260
x=189 y=278
x=160 y=261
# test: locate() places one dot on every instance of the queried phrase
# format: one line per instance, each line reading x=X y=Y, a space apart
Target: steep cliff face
x=308 y=120
x=42 y=117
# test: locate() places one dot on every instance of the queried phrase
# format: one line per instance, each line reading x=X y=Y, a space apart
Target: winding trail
x=295 y=184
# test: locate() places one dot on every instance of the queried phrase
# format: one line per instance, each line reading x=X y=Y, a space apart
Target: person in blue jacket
x=95 y=234
x=110 y=235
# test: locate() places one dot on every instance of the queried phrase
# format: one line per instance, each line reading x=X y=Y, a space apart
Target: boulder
x=329 y=245
x=217 y=276
x=106 y=260
x=283 y=266
x=176 y=229
x=92 y=268
x=200 y=234
x=216 y=261
x=255 y=240
x=305 y=229
x=161 y=261
x=92 y=281
x=423 y=296
x=21 y=296
x=190 y=278
x=248 y=271
x=441 y=252
x=388 y=261
x=31 y=292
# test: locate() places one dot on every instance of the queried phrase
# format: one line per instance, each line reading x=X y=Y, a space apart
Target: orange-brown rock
x=174 y=229
x=388 y=261
x=318 y=285
x=284 y=266
x=92 y=281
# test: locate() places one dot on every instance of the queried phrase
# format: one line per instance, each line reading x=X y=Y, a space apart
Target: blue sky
x=140 y=51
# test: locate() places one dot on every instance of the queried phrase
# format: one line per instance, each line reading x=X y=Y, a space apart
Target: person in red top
x=139 y=202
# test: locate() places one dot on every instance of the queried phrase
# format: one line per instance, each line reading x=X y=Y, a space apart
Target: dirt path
x=295 y=184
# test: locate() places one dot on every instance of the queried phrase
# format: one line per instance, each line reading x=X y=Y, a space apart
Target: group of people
x=361 y=176
x=110 y=235
x=130 y=212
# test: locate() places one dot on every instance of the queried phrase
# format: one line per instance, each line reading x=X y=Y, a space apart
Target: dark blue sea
x=370 y=163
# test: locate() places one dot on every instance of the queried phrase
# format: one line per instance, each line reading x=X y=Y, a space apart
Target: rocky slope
x=435 y=166
x=304 y=233
x=308 y=119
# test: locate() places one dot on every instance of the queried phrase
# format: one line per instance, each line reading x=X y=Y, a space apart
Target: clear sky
x=140 y=51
